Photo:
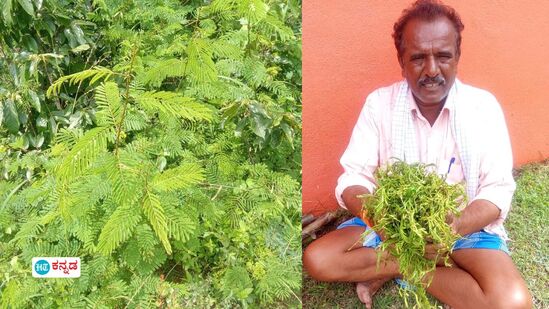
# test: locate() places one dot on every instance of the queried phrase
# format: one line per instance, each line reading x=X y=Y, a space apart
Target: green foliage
x=160 y=143
x=94 y=74
x=410 y=206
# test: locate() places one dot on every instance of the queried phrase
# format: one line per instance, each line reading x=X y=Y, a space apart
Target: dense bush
x=157 y=140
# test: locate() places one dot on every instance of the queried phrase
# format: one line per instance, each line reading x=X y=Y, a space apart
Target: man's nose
x=431 y=67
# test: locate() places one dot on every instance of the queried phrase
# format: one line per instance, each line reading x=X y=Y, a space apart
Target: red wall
x=348 y=52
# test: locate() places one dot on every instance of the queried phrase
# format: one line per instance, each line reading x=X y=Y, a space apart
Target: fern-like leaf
x=179 y=177
x=118 y=228
x=279 y=88
x=237 y=282
x=200 y=66
x=278 y=282
x=122 y=171
x=255 y=72
x=274 y=26
x=172 y=104
x=226 y=49
x=154 y=211
x=219 y=6
x=161 y=70
x=86 y=150
x=134 y=121
x=69 y=137
x=229 y=67
x=28 y=231
x=145 y=243
x=253 y=10
x=95 y=73
x=107 y=98
x=180 y=225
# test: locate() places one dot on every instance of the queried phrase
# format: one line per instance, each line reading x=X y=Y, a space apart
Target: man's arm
x=360 y=159
x=353 y=203
x=496 y=185
x=475 y=217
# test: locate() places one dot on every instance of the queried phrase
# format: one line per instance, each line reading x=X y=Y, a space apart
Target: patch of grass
x=529 y=245
x=324 y=295
x=527 y=228
x=342 y=295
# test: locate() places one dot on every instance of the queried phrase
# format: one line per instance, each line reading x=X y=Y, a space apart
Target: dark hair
x=427 y=10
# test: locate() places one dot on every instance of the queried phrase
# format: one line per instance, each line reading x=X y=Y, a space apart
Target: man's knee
x=515 y=297
x=317 y=261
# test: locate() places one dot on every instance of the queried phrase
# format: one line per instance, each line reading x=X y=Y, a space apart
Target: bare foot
x=366 y=290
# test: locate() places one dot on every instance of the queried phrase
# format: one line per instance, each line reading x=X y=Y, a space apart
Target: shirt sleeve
x=360 y=159
x=496 y=183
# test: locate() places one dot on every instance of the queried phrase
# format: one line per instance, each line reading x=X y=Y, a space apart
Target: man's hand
x=436 y=253
x=453 y=221
x=352 y=201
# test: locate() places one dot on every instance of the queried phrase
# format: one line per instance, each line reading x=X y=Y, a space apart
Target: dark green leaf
x=36 y=141
x=161 y=163
x=41 y=122
x=288 y=132
x=80 y=48
x=72 y=39
x=11 y=117
x=30 y=43
x=260 y=125
x=79 y=34
x=23 y=118
x=14 y=74
x=38 y=4
x=27 y=6
x=35 y=101
x=231 y=111
x=261 y=122
x=6 y=12
x=53 y=124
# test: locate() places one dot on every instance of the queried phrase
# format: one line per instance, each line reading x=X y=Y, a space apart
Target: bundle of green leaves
x=410 y=207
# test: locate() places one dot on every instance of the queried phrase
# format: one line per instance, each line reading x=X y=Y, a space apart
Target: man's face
x=429 y=59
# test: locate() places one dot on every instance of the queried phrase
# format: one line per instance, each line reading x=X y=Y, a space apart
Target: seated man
x=430 y=117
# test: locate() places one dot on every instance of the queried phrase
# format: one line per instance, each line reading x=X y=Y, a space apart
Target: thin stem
x=126 y=101
x=12 y=193
x=56 y=101
x=80 y=83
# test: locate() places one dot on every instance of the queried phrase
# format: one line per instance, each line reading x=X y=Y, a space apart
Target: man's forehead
x=426 y=34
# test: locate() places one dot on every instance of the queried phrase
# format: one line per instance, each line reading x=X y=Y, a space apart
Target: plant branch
x=126 y=100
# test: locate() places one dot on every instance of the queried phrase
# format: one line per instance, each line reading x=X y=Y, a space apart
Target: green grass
x=529 y=246
x=527 y=227
x=342 y=295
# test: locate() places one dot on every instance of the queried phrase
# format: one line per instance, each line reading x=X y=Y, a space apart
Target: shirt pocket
x=451 y=167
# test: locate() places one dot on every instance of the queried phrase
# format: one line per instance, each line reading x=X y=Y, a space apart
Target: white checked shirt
x=370 y=147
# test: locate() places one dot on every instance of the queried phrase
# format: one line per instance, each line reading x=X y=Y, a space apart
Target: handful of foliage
x=410 y=207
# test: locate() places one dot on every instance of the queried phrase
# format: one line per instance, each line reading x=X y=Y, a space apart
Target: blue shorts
x=478 y=240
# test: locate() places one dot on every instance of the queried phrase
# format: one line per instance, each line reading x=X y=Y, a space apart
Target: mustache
x=430 y=80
